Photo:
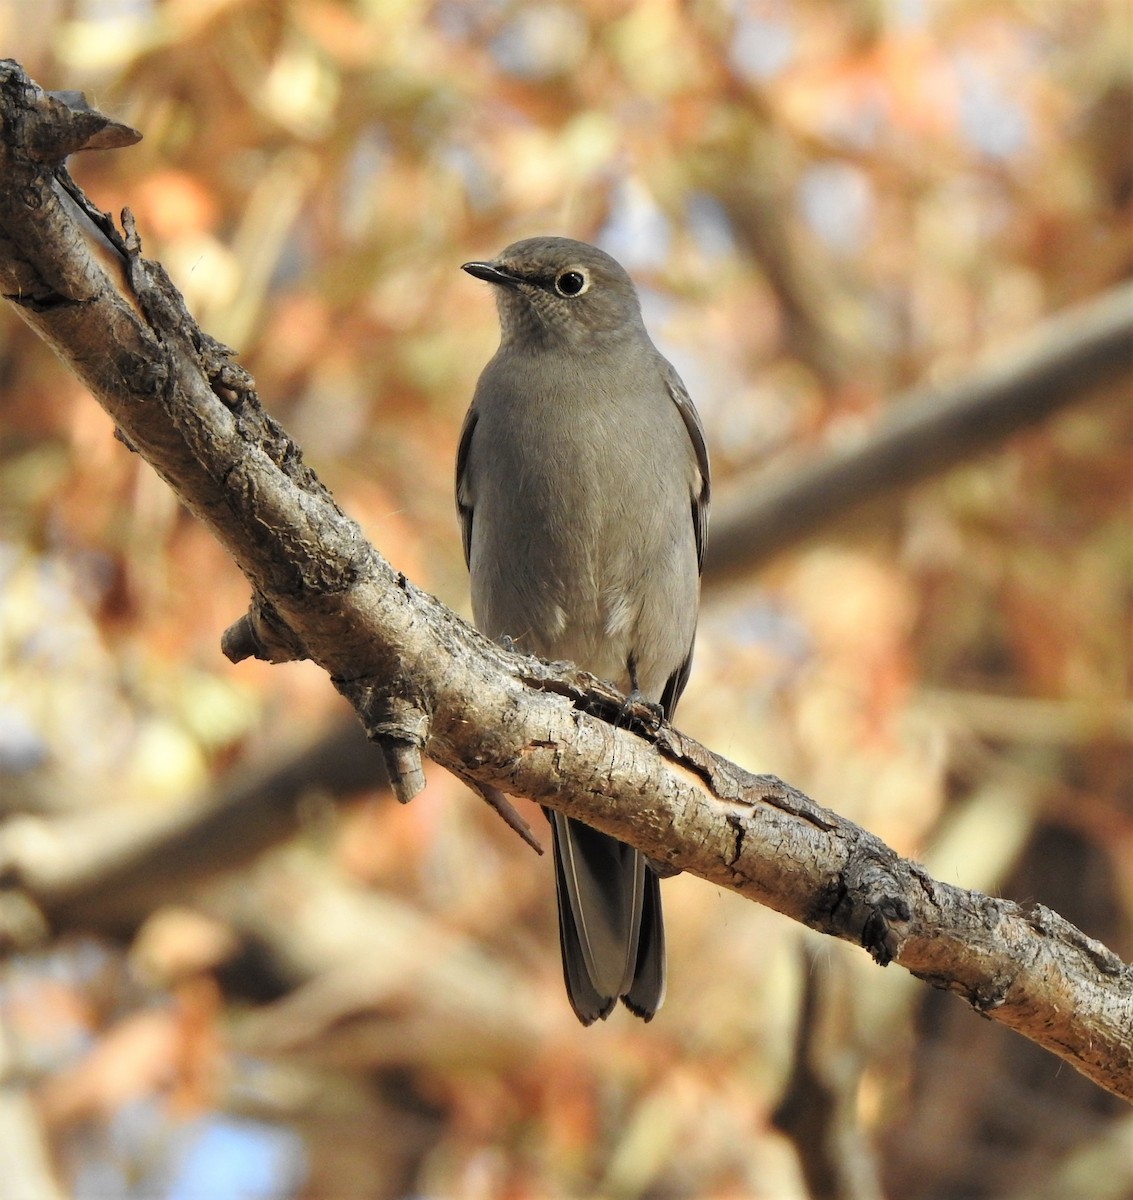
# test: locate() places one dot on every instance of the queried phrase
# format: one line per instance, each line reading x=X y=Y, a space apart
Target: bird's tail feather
x=647 y=992
x=610 y=927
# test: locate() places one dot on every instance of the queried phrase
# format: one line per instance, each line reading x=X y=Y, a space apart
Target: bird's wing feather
x=701 y=500
x=464 y=501
x=702 y=493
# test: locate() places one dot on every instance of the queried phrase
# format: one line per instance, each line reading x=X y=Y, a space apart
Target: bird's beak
x=490 y=273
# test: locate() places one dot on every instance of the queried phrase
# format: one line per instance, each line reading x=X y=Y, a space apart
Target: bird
x=583 y=488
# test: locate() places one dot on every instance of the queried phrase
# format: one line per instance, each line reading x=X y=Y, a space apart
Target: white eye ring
x=572 y=282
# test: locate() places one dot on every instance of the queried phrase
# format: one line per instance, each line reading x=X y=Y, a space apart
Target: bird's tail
x=610 y=925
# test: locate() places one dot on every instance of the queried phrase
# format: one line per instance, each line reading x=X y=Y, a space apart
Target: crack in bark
x=735 y=823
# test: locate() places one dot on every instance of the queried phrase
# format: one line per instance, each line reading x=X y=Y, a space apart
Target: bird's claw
x=637 y=707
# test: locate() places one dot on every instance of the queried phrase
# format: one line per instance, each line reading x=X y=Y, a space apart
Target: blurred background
x=234 y=966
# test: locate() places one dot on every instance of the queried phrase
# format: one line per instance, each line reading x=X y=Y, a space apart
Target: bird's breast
x=582 y=525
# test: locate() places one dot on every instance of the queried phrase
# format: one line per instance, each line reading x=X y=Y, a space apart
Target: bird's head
x=553 y=290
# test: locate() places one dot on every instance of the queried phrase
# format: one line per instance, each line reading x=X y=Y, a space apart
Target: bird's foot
x=637 y=708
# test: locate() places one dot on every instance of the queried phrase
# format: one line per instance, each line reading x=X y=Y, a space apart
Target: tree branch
x=107 y=871
x=1064 y=361
x=407 y=664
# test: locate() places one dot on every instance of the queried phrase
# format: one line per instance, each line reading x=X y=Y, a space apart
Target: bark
x=419 y=677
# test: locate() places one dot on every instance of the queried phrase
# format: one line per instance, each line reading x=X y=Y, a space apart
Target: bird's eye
x=571 y=283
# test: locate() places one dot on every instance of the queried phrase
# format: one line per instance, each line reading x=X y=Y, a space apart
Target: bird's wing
x=702 y=492
x=464 y=501
x=700 y=502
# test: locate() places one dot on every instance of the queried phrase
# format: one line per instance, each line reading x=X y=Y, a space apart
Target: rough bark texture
x=418 y=676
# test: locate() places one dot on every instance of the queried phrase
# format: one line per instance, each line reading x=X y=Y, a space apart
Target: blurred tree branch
x=1064 y=361
x=417 y=674
x=106 y=870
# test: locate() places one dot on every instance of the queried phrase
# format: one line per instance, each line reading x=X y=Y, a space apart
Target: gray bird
x=582 y=485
